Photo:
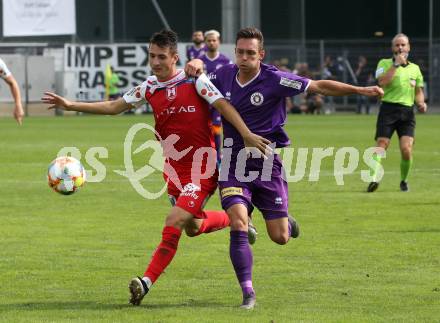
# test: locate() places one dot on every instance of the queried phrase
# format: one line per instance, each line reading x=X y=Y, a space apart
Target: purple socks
x=242 y=260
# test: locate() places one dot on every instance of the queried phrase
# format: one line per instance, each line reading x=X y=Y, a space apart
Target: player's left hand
x=55 y=101
x=194 y=67
x=371 y=91
x=422 y=107
x=253 y=141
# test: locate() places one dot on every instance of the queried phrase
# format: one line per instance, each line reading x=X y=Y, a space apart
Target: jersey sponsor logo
x=379 y=72
x=229 y=191
x=228 y=96
x=181 y=109
x=291 y=83
x=257 y=99
x=190 y=190
x=171 y=93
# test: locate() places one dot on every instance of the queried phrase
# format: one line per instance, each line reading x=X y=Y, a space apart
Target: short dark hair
x=165 y=38
x=250 y=33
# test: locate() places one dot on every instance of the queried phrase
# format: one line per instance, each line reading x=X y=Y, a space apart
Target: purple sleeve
x=289 y=84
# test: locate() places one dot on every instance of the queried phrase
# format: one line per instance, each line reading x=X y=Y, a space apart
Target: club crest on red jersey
x=171 y=93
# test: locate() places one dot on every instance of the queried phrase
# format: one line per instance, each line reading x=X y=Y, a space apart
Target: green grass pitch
x=361 y=257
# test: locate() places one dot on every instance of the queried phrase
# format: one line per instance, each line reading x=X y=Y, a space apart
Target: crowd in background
x=362 y=74
x=357 y=71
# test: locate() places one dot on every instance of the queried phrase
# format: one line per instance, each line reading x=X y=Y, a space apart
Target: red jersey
x=183 y=124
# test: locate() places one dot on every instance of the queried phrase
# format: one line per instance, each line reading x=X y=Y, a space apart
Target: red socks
x=164 y=253
x=214 y=220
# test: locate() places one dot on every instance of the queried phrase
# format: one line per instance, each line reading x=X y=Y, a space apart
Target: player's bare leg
x=192 y=228
x=197 y=226
x=212 y=221
x=282 y=229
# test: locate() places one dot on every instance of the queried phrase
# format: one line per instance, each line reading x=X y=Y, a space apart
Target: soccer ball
x=66 y=175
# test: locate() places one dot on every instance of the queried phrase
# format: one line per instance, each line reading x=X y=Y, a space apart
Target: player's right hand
x=19 y=114
x=371 y=91
x=194 y=67
x=253 y=141
x=55 y=101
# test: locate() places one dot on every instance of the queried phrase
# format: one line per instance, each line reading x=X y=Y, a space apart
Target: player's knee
x=382 y=142
x=175 y=219
x=406 y=152
x=238 y=216
x=191 y=232
x=238 y=222
x=406 y=148
x=279 y=236
x=280 y=239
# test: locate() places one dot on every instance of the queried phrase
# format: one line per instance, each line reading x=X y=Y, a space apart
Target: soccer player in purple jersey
x=258 y=92
x=199 y=47
x=212 y=61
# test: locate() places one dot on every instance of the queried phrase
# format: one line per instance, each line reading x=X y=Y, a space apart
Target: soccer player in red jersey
x=181 y=111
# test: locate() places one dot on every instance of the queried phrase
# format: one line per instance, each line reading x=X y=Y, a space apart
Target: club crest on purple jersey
x=257 y=99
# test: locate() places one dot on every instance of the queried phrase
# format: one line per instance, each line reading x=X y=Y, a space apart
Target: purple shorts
x=216 y=117
x=271 y=197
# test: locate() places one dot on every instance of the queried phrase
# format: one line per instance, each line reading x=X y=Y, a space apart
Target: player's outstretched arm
x=334 y=88
x=102 y=107
x=15 y=91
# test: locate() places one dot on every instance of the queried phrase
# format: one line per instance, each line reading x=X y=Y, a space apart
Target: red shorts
x=191 y=201
x=190 y=196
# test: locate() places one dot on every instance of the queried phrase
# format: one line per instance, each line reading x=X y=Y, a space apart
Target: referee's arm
x=420 y=100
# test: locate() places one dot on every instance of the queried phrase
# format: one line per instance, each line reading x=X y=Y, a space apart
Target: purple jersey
x=193 y=52
x=212 y=65
x=261 y=102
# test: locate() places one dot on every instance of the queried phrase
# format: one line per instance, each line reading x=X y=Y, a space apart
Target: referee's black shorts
x=395 y=117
